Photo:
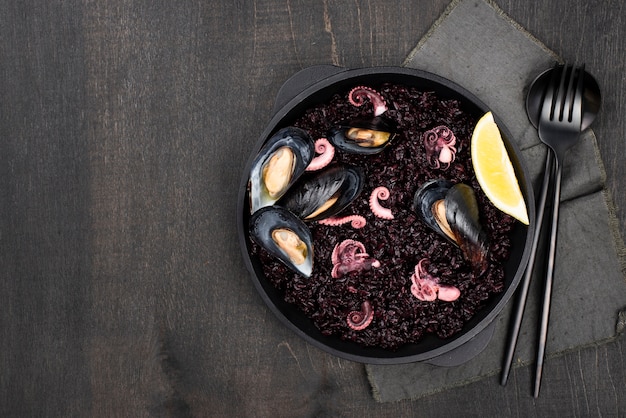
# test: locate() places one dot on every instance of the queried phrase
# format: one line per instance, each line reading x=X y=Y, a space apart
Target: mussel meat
x=284 y=236
x=278 y=165
x=365 y=136
x=325 y=193
x=452 y=211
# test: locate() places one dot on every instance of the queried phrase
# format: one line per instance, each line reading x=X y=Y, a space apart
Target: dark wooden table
x=124 y=130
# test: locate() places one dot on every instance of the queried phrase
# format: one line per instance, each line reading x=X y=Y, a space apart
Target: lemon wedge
x=494 y=170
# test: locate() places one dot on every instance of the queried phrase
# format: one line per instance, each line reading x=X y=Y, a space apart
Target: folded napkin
x=478 y=47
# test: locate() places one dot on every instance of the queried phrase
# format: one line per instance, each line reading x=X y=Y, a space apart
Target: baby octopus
x=427 y=288
x=350 y=255
x=440 y=146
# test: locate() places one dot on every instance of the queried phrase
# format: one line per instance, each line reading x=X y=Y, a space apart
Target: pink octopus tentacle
x=420 y=269
x=359 y=320
x=358 y=95
x=356 y=221
x=381 y=193
x=326 y=153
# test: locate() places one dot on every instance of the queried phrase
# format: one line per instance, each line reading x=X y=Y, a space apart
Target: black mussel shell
x=378 y=134
x=298 y=149
x=461 y=216
x=325 y=193
x=271 y=221
x=426 y=196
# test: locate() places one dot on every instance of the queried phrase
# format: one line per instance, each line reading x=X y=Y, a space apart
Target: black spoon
x=534 y=102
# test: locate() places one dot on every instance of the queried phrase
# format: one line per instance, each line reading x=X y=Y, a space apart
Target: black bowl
x=316 y=85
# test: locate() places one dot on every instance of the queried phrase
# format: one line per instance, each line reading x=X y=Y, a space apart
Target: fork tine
x=561 y=96
x=576 y=116
x=568 y=98
x=548 y=98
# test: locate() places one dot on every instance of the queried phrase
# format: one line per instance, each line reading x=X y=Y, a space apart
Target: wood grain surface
x=124 y=129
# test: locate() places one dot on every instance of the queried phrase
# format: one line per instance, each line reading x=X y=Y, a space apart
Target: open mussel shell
x=278 y=165
x=452 y=211
x=284 y=236
x=325 y=193
x=425 y=200
x=364 y=136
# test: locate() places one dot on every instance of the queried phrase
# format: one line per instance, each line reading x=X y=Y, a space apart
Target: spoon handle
x=520 y=305
x=545 y=311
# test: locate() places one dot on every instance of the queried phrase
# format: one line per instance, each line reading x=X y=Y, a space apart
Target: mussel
x=280 y=162
x=452 y=211
x=364 y=136
x=325 y=193
x=284 y=236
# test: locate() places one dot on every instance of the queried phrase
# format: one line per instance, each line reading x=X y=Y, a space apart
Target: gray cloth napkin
x=478 y=47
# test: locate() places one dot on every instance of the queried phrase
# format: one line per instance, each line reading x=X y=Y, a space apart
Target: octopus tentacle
x=359 y=320
x=381 y=193
x=358 y=95
x=325 y=152
x=357 y=221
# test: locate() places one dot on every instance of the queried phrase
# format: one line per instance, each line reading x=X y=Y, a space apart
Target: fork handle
x=520 y=304
x=545 y=312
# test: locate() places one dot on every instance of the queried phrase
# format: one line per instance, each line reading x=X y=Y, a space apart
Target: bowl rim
x=294 y=92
